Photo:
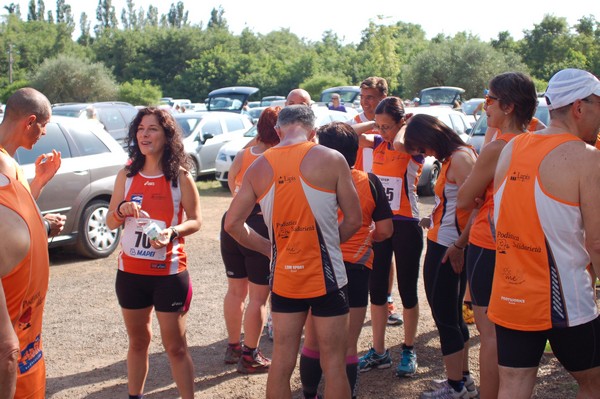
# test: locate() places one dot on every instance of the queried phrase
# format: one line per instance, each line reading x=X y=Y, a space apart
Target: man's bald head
x=27 y=101
x=298 y=96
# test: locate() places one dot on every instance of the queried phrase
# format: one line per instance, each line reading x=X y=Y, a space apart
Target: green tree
x=217 y=20
x=105 y=14
x=71 y=79
x=317 y=83
x=152 y=16
x=85 y=39
x=140 y=92
x=177 y=16
x=32 y=13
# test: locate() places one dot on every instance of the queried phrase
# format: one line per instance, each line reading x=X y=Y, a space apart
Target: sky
x=348 y=18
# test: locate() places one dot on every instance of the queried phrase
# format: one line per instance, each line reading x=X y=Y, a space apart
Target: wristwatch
x=174 y=233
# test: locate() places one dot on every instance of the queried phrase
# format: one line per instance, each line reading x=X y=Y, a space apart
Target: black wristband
x=118 y=211
x=174 y=233
x=47 y=224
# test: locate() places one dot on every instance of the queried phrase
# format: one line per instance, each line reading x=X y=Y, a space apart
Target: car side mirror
x=206 y=136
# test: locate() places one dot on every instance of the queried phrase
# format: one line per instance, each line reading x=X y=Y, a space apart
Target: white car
x=204 y=133
x=229 y=150
x=454 y=119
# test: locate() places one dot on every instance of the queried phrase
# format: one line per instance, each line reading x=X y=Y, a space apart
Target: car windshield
x=230 y=102
x=187 y=124
x=438 y=96
x=345 y=96
x=73 y=113
x=252 y=132
x=468 y=107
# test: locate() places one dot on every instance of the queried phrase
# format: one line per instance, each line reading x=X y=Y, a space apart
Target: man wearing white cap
x=547 y=186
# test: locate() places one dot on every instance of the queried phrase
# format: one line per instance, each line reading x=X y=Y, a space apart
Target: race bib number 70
x=137 y=244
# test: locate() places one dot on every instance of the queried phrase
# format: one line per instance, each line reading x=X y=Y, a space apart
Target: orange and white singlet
x=25 y=288
x=447 y=221
x=20 y=176
x=162 y=202
x=358 y=249
x=399 y=173
x=540 y=279
x=247 y=158
x=364 y=156
x=483 y=231
x=306 y=259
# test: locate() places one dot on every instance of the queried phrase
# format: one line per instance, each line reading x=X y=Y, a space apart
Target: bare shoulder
x=15 y=241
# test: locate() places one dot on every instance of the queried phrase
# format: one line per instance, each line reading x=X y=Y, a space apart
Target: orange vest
x=25 y=288
x=540 y=278
x=358 y=248
x=483 y=232
x=399 y=174
x=364 y=156
x=306 y=259
x=448 y=221
x=162 y=202
x=247 y=159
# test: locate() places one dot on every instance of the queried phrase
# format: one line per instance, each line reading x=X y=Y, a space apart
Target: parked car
x=205 y=132
x=456 y=120
x=469 y=107
x=229 y=99
x=115 y=116
x=349 y=96
x=477 y=135
x=228 y=151
x=266 y=101
x=83 y=185
x=254 y=113
x=441 y=95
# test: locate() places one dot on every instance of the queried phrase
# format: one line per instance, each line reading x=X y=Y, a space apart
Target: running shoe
x=468 y=315
x=408 y=363
x=445 y=391
x=394 y=318
x=373 y=360
x=255 y=363
x=233 y=354
x=469 y=385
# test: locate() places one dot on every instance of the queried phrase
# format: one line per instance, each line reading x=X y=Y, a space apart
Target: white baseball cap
x=570 y=85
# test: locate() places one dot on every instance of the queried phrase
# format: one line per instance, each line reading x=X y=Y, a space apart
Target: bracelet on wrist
x=174 y=233
x=118 y=210
x=461 y=248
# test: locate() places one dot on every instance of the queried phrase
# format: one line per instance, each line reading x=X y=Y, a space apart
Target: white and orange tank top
x=247 y=158
x=162 y=202
x=25 y=288
x=20 y=176
x=483 y=231
x=448 y=222
x=399 y=173
x=306 y=259
x=540 y=279
x=358 y=249
x=364 y=155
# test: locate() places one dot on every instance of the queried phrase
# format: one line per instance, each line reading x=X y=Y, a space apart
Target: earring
x=506 y=113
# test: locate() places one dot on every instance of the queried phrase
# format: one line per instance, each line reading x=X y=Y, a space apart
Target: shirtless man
x=299 y=199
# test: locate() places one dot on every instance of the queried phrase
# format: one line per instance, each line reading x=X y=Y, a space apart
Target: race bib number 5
x=137 y=244
x=393 y=190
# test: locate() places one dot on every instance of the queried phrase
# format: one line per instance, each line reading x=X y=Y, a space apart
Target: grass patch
x=208 y=187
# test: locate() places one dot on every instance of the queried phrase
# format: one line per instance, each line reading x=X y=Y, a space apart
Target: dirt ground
x=85 y=341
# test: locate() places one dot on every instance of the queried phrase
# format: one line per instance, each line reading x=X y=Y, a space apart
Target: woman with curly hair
x=156 y=200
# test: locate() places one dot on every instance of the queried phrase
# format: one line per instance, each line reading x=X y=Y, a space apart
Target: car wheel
x=193 y=168
x=429 y=187
x=95 y=240
x=224 y=184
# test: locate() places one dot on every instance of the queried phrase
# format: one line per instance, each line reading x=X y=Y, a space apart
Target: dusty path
x=85 y=341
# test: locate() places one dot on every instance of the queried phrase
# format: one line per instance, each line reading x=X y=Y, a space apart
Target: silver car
x=204 y=133
x=82 y=187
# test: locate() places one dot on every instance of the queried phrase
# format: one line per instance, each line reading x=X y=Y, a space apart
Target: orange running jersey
x=364 y=156
x=162 y=202
x=540 y=279
x=483 y=232
x=25 y=288
x=306 y=259
x=20 y=176
x=399 y=173
x=358 y=249
x=447 y=221
x=598 y=142
x=247 y=158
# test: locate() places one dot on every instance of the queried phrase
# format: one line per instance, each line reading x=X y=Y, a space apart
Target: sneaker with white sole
x=445 y=391
x=394 y=319
x=469 y=385
x=373 y=360
x=408 y=363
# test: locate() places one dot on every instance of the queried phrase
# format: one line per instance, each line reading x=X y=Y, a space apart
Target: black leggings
x=445 y=292
x=406 y=244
